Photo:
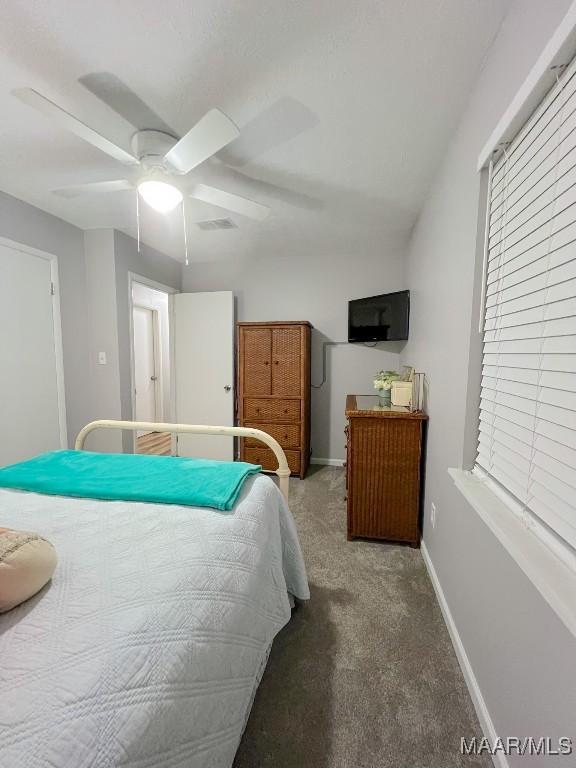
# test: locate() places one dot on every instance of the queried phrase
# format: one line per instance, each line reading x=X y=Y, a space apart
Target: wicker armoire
x=274 y=390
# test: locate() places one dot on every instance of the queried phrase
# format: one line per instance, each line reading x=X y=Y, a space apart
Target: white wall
x=28 y=225
x=144 y=296
x=522 y=655
x=314 y=287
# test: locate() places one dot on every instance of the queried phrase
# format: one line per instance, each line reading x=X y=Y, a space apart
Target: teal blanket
x=131 y=477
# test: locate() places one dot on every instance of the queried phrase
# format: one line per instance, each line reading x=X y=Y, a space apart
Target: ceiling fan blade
x=118 y=185
x=211 y=133
x=222 y=174
x=71 y=123
x=231 y=202
x=118 y=96
x=279 y=123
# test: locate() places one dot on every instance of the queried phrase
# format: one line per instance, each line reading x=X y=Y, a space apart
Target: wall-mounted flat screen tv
x=379 y=318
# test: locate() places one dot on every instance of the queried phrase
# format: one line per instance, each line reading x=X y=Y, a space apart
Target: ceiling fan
x=159 y=161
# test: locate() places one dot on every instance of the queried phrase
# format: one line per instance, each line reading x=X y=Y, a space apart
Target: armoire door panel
x=257 y=373
x=286 y=361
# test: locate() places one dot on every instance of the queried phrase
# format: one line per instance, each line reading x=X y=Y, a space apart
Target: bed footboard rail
x=283 y=471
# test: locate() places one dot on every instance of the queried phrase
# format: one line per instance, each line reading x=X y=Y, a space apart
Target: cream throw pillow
x=27 y=562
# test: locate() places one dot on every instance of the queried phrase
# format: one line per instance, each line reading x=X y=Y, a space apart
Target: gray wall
x=521 y=654
x=110 y=257
x=28 y=225
x=314 y=287
x=104 y=393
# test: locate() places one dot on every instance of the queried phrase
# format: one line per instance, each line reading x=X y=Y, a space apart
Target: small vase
x=384 y=398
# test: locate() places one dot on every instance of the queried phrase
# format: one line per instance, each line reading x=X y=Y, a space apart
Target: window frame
x=548 y=561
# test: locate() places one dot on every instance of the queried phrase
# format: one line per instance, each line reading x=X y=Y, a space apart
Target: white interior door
x=145 y=372
x=30 y=401
x=204 y=370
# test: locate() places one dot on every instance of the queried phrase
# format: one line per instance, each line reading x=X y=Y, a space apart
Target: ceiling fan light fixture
x=160 y=195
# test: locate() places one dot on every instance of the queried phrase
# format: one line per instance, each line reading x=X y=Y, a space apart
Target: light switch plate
x=102 y=358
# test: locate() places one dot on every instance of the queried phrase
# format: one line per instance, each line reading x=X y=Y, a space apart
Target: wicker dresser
x=383 y=470
x=274 y=390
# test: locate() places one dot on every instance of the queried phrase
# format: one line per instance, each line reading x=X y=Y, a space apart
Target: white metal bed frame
x=195 y=429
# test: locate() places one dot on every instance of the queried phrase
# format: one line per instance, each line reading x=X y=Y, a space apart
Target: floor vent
x=216 y=224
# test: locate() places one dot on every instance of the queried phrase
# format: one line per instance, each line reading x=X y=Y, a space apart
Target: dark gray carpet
x=364 y=675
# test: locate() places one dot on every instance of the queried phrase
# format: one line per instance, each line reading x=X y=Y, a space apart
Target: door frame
x=158 y=381
x=134 y=277
x=56 y=325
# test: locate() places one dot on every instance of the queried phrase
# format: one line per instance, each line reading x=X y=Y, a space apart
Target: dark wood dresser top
x=272 y=323
x=367 y=405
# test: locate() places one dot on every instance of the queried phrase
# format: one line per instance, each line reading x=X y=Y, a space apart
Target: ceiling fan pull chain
x=185 y=235
x=138 y=218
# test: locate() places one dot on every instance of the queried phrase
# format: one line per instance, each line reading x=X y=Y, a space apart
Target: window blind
x=527 y=430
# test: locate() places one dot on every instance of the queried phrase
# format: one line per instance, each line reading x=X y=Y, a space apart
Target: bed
x=148 y=645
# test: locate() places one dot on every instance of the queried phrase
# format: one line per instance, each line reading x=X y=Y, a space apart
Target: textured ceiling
x=348 y=105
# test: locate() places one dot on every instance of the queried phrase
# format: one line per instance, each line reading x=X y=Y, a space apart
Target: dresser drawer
x=267 y=459
x=271 y=410
x=288 y=435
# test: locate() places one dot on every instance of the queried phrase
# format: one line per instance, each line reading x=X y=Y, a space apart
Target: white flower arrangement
x=383 y=380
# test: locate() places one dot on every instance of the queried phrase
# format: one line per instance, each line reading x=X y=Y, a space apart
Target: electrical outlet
x=433 y=515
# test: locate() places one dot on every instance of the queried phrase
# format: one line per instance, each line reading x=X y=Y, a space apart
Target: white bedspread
x=145 y=649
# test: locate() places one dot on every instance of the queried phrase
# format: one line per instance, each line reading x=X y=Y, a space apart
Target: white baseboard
x=327 y=462
x=486 y=723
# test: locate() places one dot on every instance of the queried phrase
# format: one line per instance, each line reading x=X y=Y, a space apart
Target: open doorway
x=151 y=366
